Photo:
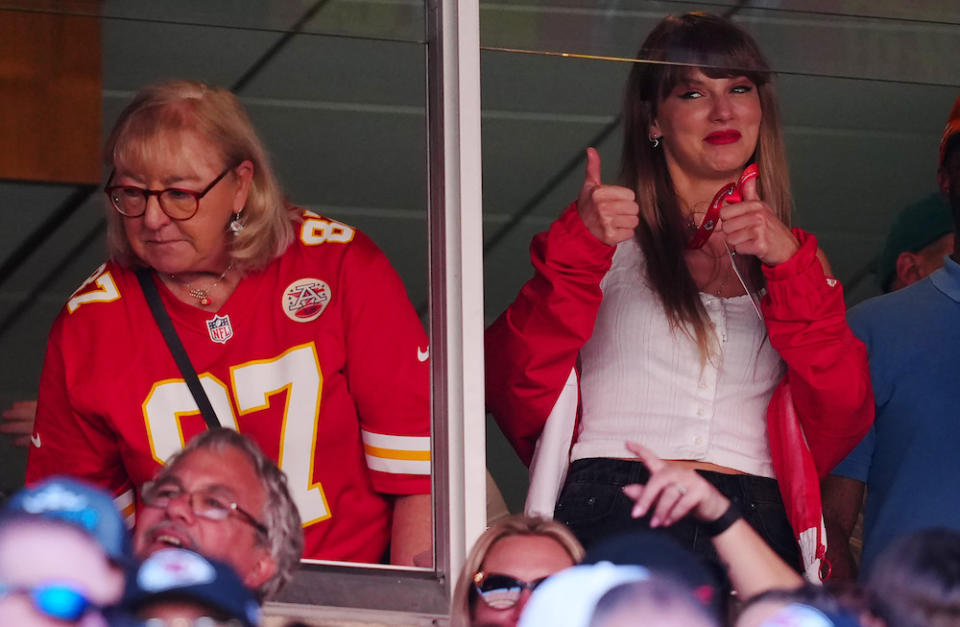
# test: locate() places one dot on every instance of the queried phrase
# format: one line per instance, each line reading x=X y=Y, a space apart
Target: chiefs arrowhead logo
x=305 y=299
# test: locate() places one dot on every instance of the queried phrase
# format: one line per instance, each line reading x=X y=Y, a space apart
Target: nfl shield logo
x=220 y=329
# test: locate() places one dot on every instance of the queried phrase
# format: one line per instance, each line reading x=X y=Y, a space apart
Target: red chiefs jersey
x=319 y=357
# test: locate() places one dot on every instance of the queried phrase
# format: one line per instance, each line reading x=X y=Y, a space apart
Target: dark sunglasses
x=56 y=600
x=501 y=592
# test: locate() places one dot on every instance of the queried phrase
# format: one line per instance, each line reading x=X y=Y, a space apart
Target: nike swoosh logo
x=423 y=355
x=35 y=439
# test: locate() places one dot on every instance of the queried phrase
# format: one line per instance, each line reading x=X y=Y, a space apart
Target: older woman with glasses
x=296 y=326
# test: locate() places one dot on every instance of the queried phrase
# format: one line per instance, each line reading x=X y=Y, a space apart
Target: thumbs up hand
x=752 y=228
x=609 y=212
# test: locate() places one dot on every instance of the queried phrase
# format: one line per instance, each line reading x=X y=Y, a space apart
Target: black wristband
x=718 y=526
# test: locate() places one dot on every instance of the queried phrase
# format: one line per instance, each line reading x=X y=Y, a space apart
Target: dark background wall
x=865 y=87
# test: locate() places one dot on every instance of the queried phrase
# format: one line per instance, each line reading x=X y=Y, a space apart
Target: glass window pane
x=401 y=20
x=864 y=91
x=340 y=103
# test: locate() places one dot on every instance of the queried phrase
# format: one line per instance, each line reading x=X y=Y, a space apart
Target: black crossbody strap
x=176 y=347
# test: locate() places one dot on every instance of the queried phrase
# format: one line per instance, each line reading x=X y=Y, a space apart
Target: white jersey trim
x=398 y=454
x=125 y=505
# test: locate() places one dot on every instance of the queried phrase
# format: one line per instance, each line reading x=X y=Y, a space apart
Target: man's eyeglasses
x=206 y=503
x=178 y=204
x=61 y=601
x=501 y=592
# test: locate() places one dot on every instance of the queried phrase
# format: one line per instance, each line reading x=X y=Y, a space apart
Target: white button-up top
x=642 y=380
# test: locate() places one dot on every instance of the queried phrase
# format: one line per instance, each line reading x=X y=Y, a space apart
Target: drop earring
x=236 y=225
x=654 y=141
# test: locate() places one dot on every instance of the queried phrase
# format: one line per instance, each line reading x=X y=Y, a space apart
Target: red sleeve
x=827 y=365
x=531 y=348
x=388 y=371
x=71 y=443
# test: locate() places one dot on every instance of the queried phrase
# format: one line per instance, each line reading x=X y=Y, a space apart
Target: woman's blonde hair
x=678 y=45
x=144 y=131
x=517 y=525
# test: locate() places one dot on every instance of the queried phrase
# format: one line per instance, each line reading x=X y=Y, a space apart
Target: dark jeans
x=593 y=506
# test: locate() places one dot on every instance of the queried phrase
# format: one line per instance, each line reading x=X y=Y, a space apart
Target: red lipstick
x=719 y=138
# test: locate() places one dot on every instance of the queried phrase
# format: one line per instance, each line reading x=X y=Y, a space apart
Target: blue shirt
x=910 y=459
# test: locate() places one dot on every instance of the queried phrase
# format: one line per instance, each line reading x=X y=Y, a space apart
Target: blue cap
x=79 y=504
x=182 y=574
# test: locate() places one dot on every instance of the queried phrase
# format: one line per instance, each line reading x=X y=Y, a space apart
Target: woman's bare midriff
x=695 y=465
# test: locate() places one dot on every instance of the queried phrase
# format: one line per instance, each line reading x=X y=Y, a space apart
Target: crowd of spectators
x=67 y=557
x=639 y=579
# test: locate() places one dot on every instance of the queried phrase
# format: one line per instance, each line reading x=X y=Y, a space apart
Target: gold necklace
x=723 y=270
x=723 y=284
x=202 y=294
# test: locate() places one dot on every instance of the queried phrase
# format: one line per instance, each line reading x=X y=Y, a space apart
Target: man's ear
x=261 y=571
x=908 y=268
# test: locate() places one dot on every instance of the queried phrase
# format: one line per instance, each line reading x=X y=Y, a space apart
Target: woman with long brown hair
x=678 y=309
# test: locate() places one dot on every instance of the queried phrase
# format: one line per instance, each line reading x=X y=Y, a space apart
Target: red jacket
x=818 y=413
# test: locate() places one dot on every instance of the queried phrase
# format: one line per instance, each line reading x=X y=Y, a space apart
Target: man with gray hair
x=222 y=497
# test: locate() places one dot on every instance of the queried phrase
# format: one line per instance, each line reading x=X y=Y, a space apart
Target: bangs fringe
x=150 y=135
x=698 y=41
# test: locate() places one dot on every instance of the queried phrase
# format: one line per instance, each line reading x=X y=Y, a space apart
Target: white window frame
x=339 y=591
